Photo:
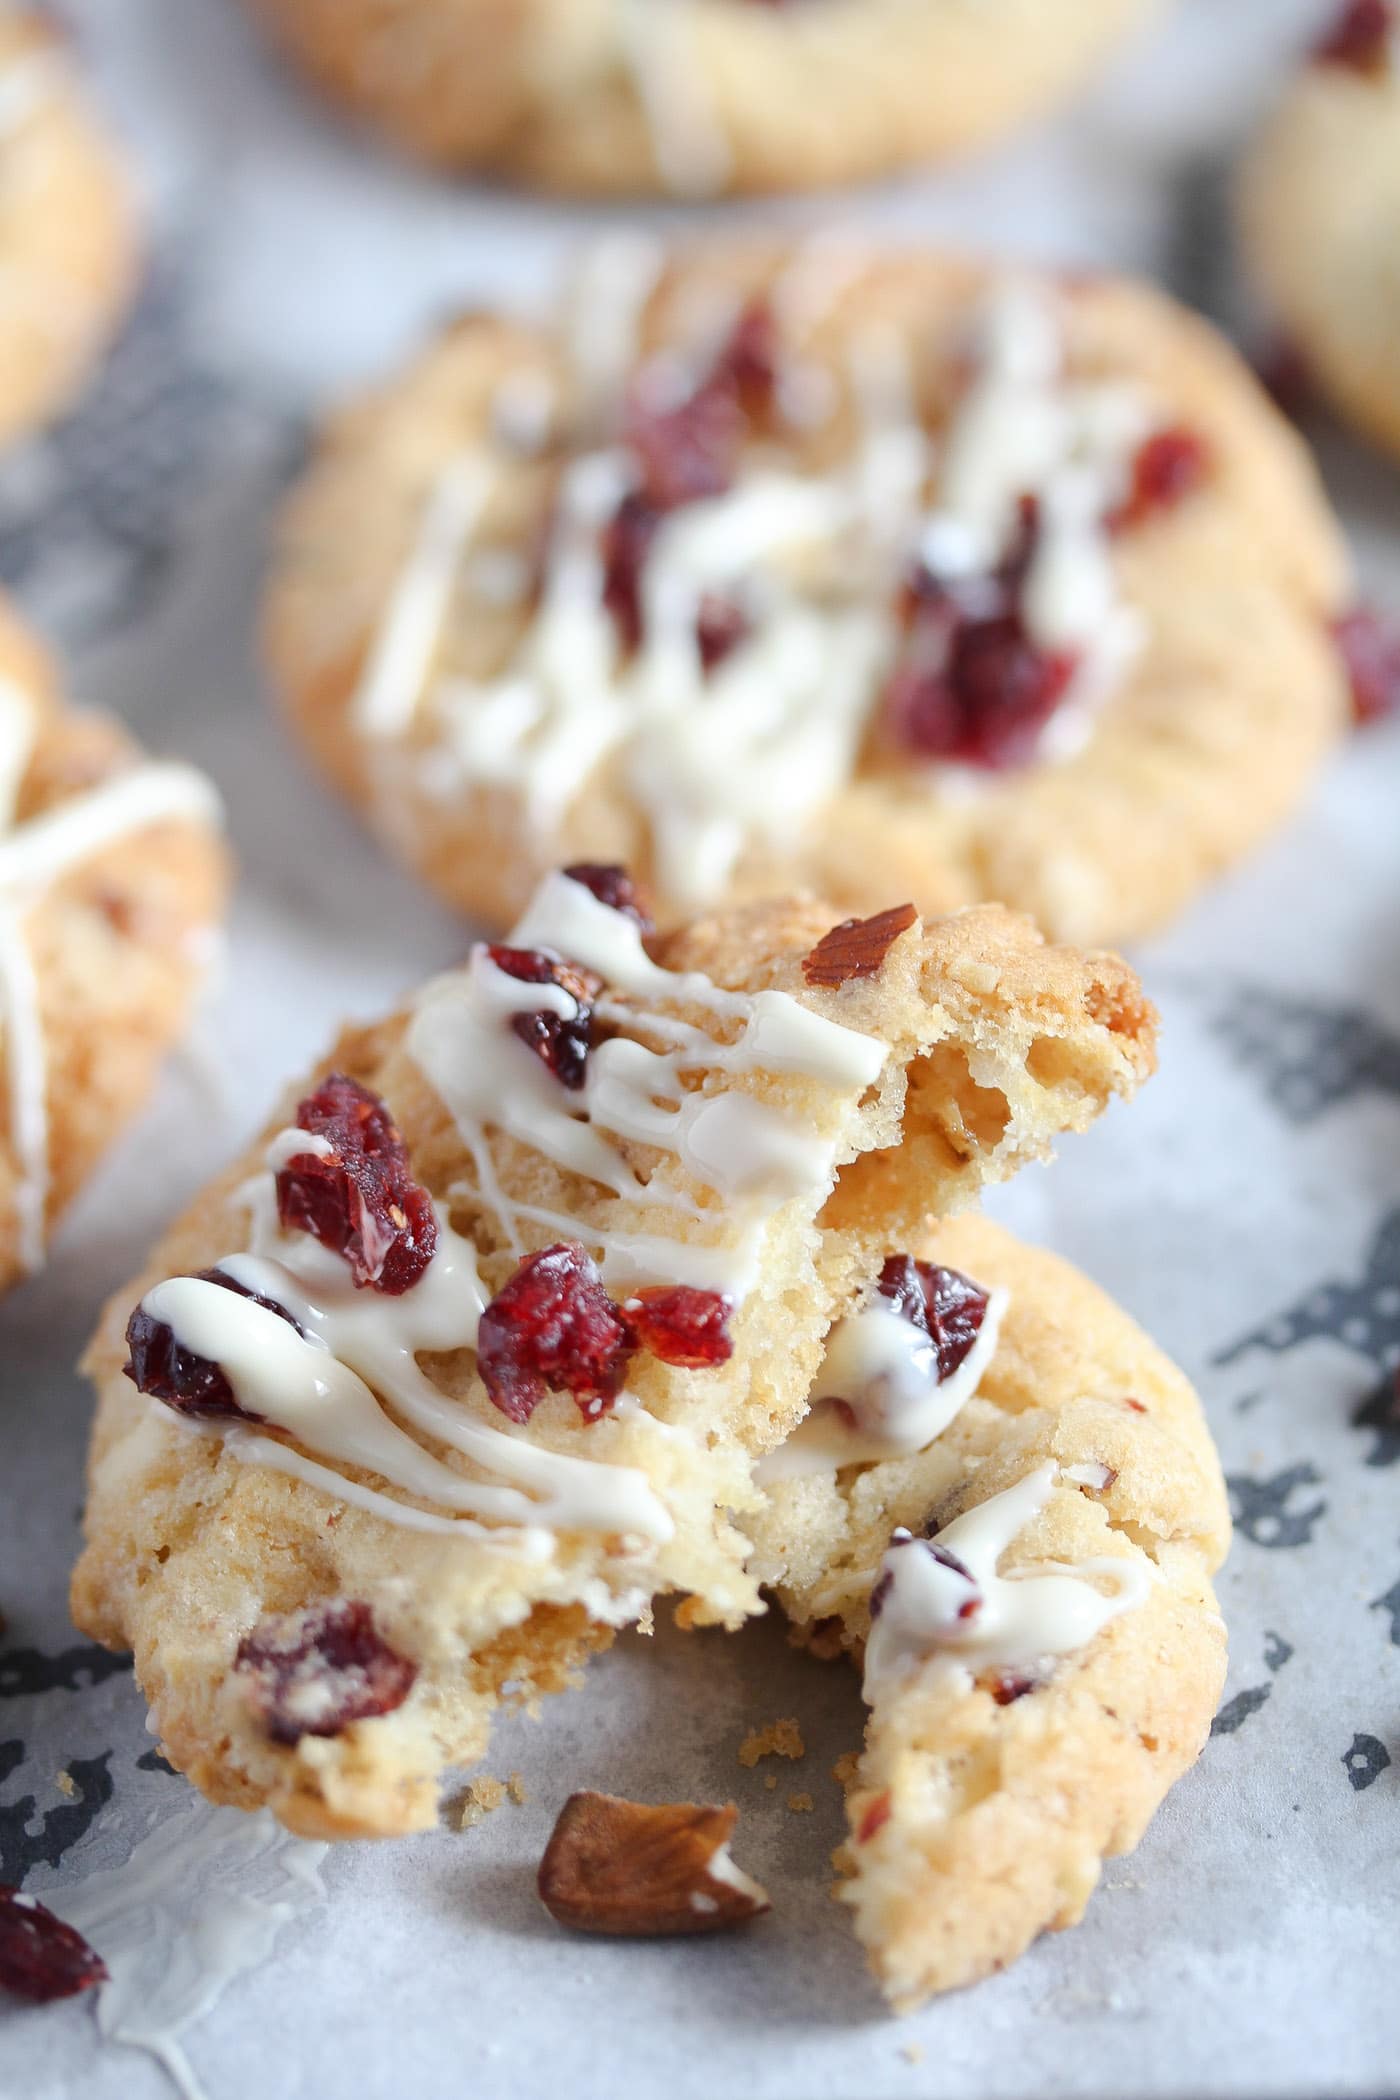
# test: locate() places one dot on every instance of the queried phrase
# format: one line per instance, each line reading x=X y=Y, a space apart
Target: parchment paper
x=1247 y=1210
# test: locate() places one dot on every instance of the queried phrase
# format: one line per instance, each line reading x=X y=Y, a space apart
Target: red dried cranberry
x=360 y=1199
x=720 y=627
x=749 y=359
x=1166 y=468
x=561 y=1042
x=989 y=704
x=613 y=886
x=1007 y=1686
x=553 y=1326
x=875 y=1818
x=1359 y=37
x=187 y=1382
x=689 y=452
x=41 y=1958
x=681 y=1326
x=1370 y=649
x=314 y=1672
x=943 y=1303
x=627 y=540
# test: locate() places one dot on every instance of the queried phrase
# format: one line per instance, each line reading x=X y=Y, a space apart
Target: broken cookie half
x=1006 y=1501
x=475 y=1352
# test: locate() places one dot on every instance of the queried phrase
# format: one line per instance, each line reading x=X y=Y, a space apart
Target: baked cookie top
x=474 y=1352
x=878 y=574
x=696 y=96
x=112 y=885
x=68 y=243
x=1006 y=1501
x=1320 y=214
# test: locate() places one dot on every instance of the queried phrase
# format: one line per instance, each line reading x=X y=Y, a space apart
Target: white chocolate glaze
x=1024 y=1619
x=884 y=1371
x=33 y=856
x=200 y=1901
x=27 y=84
x=348 y=1388
x=691 y=152
x=745 y=755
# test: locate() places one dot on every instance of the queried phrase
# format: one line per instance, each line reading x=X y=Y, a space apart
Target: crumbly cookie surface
x=695 y=96
x=987 y=1797
x=112 y=886
x=68 y=238
x=915 y=665
x=493 y=1553
x=1320 y=220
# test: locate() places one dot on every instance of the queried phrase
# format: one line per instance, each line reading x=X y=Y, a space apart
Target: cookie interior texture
x=985 y=1043
x=613 y=97
x=980 y=1819
x=485 y=737
x=1320 y=218
x=68 y=233
x=112 y=884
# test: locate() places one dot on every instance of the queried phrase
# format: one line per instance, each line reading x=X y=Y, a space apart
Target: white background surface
x=1249 y=1947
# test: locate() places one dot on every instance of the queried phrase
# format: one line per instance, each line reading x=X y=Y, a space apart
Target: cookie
x=112 y=885
x=1320 y=215
x=876 y=575
x=988 y=1416
x=697 y=97
x=68 y=246
x=472 y=1354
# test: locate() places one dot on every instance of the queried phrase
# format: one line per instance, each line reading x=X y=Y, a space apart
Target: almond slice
x=857 y=947
x=628 y=1868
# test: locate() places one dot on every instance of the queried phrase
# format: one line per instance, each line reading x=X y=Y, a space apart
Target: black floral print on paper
x=1390 y=1604
x=1265 y=1510
x=25 y=1844
x=1235 y=1712
x=1365 y=1761
x=25 y=1672
x=1309 y=1055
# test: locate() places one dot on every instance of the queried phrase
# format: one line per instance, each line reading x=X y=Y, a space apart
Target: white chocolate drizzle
x=884 y=1371
x=33 y=856
x=348 y=1388
x=27 y=84
x=689 y=147
x=1024 y=1618
x=743 y=755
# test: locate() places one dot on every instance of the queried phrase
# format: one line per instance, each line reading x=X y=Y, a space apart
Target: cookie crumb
x=515 y=1787
x=800 y=1804
x=481 y=1799
x=778 y=1739
x=845 y=1768
x=912 y=2052
x=646 y=1620
x=770 y=1780
x=66 y=1786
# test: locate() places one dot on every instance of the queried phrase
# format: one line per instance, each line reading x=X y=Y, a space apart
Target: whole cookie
x=1320 y=215
x=883 y=574
x=68 y=249
x=695 y=96
x=112 y=886
x=473 y=1353
x=1009 y=1503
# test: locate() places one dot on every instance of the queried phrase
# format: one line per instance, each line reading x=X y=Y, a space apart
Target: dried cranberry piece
x=41 y=1958
x=1359 y=37
x=946 y=1305
x=972 y=685
x=613 y=886
x=681 y=1326
x=553 y=1326
x=875 y=1818
x=1369 y=646
x=187 y=1382
x=560 y=1041
x=720 y=627
x=1007 y=1686
x=314 y=1672
x=689 y=452
x=1166 y=468
x=627 y=540
x=749 y=360
x=360 y=1199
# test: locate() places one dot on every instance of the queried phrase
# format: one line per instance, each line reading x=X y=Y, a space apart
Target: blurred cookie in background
x=696 y=97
